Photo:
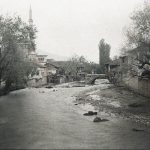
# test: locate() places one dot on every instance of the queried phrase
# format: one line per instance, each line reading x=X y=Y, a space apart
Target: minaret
x=31 y=43
x=30 y=17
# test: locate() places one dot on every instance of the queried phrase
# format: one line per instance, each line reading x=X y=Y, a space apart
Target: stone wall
x=144 y=87
x=131 y=82
x=139 y=85
x=37 y=82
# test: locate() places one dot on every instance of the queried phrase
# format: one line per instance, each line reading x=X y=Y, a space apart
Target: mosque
x=40 y=78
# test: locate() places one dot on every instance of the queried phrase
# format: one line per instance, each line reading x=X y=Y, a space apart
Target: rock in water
x=90 y=113
x=98 y=119
x=94 y=113
x=135 y=105
x=137 y=130
x=49 y=87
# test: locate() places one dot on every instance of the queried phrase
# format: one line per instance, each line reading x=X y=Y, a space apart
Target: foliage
x=139 y=32
x=104 y=50
x=14 y=67
x=138 y=37
x=75 y=62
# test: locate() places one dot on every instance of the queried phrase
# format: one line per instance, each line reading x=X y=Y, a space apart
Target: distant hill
x=53 y=56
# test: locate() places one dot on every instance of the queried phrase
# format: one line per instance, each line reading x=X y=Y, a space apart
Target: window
x=41 y=59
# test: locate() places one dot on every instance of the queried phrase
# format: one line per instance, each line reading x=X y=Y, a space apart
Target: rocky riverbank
x=111 y=101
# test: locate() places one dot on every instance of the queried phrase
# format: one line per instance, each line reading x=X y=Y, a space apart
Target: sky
x=68 y=27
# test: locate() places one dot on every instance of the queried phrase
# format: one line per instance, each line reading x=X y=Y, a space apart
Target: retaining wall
x=37 y=82
x=144 y=87
x=139 y=85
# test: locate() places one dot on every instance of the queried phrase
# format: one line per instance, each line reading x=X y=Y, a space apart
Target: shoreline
x=120 y=102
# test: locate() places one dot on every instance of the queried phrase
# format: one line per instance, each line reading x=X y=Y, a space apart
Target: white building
x=40 y=78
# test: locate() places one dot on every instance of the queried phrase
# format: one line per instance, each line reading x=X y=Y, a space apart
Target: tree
x=75 y=62
x=104 y=54
x=14 y=67
x=139 y=32
x=138 y=37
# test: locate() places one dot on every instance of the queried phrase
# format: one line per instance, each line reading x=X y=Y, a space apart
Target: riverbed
x=41 y=118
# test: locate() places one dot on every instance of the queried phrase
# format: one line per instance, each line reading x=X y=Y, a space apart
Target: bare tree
x=75 y=62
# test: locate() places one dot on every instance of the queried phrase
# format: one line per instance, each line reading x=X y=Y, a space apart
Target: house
x=80 y=72
x=56 y=73
x=139 y=70
x=40 y=78
x=41 y=59
x=132 y=70
x=51 y=69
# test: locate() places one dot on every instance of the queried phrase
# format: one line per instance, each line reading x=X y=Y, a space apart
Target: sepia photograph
x=74 y=74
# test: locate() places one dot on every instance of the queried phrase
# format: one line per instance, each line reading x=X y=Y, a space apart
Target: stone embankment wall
x=37 y=82
x=139 y=85
x=144 y=87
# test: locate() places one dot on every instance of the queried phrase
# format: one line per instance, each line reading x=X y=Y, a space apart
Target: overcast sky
x=66 y=27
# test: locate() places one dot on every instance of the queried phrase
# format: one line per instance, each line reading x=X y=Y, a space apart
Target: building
x=56 y=73
x=132 y=70
x=40 y=78
x=41 y=59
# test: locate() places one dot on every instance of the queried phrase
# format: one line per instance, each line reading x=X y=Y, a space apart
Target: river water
x=48 y=119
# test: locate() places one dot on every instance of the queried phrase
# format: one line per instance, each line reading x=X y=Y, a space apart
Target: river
x=48 y=119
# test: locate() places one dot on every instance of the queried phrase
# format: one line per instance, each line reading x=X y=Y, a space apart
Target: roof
x=139 y=49
x=56 y=63
x=52 y=68
x=39 y=65
x=114 y=66
x=32 y=53
x=41 y=55
x=49 y=65
x=123 y=56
